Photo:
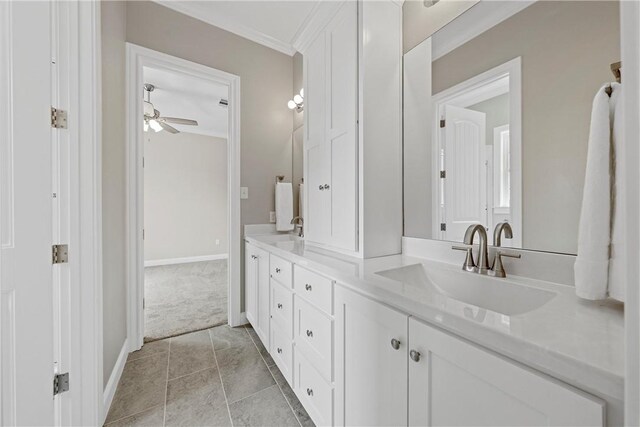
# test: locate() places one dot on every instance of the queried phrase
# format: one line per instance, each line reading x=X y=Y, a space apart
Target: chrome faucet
x=483 y=255
x=299 y=224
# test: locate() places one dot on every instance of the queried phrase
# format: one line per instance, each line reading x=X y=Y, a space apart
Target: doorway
x=185 y=203
x=184 y=223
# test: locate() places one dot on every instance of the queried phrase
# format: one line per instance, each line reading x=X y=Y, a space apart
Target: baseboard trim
x=114 y=378
x=169 y=261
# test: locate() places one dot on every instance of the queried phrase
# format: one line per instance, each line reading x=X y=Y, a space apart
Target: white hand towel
x=591 y=269
x=284 y=206
x=301 y=202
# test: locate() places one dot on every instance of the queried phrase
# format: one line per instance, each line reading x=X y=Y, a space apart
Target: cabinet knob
x=414 y=355
x=254 y=257
x=310 y=392
x=279 y=305
x=326 y=186
x=320 y=187
x=279 y=350
x=309 y=333
x=307 y=287
x=277 y=270
x=395 y=344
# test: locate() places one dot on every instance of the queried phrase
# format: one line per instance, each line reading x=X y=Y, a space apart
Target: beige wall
x=185 y=195
x=419 y=22
x=566 y=50
x=113 y=183
x=497 y=114
x=297 y=137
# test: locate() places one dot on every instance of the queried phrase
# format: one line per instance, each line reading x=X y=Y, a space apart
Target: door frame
x=138 y=57
x=513 y=69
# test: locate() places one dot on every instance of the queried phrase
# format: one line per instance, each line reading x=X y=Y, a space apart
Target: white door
x=251 y=284
x=342 y=83
x=454 y=383
x=264 y=296
x=26 y=301
x=465 y=193
x=371 y=362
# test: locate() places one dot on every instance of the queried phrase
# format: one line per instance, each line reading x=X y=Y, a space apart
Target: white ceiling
x=274 y=23
x=188 y=97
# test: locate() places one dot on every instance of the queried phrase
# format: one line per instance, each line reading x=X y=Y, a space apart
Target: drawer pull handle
x=310 y=392
x=307 y=287
x=395 y=344
x=309 y=333
x=279 y=350
x=277 y=270
x=414 y=355
x=279 y=305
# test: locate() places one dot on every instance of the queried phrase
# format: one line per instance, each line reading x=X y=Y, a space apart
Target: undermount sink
x=498 y=295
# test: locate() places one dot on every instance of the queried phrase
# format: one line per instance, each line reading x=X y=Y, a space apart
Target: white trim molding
x=137 y=58
x=185 y=260
x=114 y=378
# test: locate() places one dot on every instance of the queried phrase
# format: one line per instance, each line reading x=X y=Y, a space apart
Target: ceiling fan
x=153 y=119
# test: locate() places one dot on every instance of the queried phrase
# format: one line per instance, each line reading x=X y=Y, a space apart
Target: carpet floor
x=183 y=298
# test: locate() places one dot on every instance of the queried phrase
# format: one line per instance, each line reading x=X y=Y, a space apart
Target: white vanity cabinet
x=455 y=383
x=371 y=351
x=352 y=80
x=257 y=290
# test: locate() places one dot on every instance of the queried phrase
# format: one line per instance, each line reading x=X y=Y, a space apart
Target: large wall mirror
x=496 y=119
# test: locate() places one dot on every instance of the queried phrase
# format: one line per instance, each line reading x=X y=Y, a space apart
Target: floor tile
x=150 y=418
x=243 y=372
x=142 y=386
x=299 y=411
x=197 y=399
x=149 y=349
x=190 y=353
x=266 y=408
x=261 y=348
x=225 y=337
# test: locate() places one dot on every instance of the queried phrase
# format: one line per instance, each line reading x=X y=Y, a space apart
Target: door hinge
x=443 y=226
x=442 y=123
x=60 y=254
x=443 y=174
x=58 y=118
x=60 y=383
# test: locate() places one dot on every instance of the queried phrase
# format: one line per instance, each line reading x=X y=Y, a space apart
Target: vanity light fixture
x=297 y=103
x=429 y=3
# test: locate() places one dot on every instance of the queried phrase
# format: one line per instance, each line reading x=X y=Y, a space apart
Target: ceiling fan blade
x=168 y=128
x=179 y=121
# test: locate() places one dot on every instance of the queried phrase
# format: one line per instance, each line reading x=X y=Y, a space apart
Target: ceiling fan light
x=291 y=104
x=155 y=125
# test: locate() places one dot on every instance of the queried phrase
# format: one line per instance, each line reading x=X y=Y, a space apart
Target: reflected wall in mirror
x=497 y=114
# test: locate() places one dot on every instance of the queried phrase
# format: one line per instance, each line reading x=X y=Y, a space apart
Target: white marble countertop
x=580 y=342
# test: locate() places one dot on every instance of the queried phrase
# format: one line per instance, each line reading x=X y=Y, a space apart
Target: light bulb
x=297 y=99
x=302 y=92
x=155 y=125
x=146 y=126
x=291 y=104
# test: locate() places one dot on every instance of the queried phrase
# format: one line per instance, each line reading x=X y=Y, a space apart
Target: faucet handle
x=497 y=270
x=469 y=264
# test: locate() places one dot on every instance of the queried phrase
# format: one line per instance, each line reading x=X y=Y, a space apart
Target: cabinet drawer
x=282 y=352
x=280 y=270
x=314 y=288
x=282 y=307
x=313 y=335
x=313 y=391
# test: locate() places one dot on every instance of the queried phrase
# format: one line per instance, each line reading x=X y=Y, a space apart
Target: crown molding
x=237 y=29
x=315 y=22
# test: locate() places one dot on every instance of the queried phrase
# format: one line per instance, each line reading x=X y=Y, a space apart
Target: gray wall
x=562 y=68
x=185 y=195
x=266 y=125
x=113 y=182
x=419 y=22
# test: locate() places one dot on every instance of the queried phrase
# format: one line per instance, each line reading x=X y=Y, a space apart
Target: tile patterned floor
x=217 y=377
x=183 y=298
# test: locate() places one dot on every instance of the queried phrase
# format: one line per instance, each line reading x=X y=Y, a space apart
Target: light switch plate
x=244 y=192
x=272 y=217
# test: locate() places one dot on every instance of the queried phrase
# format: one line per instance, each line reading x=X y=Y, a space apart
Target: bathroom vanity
x=402 y=340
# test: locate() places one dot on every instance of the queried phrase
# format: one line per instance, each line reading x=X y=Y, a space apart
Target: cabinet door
x=318 y=213
x=263 y=296
x=455 y=383
x=251 y=284
x=341 y=40
x=371 y=362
